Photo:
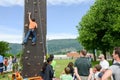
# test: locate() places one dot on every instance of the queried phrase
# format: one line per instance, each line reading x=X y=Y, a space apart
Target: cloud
x=7 y=3
x=11 y=38
x=11 y=35
x=11 y=30
x=68 y=2
x=61 y=36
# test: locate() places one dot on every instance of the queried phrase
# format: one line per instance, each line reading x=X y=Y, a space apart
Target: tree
x=4 y=47
x=100 y=27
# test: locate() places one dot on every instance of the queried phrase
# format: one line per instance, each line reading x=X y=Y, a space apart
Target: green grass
x=5 y=76
x=60 y=65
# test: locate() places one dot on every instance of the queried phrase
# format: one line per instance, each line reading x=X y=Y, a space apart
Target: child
x=67 y=75
x=95 y=73
x=70 y=65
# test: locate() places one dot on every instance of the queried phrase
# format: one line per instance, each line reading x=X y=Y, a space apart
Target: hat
x=101 y=55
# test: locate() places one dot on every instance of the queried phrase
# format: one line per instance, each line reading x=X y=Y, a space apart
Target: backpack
x=117 y=64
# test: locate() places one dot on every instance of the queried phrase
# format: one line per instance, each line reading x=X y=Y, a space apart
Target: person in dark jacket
x=47 y=72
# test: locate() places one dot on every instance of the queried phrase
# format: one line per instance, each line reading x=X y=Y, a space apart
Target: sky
x=62 y=18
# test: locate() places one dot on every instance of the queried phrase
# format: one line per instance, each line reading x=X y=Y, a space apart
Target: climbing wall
x=33 y=55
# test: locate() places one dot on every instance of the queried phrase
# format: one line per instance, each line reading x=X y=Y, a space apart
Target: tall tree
x=4 y=47
x=100 y=27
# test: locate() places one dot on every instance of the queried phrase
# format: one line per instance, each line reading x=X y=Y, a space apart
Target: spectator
x=1 y=64
x=67 y=75
x=82 y=66
x=104 y=64
x=71 y=66
x=115 y=68
x=53 y=64
x=15 y=64
x=10 y=65
x=95 y=73
x=5 y=63
x=43 y=69
x=48 y=72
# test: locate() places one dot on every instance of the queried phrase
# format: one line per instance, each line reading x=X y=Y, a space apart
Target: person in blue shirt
x=1 y=64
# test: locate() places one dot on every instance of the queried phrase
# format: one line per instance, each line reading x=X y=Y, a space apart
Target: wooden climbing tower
x=33 y=56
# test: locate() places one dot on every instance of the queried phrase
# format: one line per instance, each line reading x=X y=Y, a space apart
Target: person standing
x=114 y=69
x=104 y=64
x=5 y=63
x=53 y=64
x=32 y=27
x=48 y=72
x=71 y=66
x=82 y=66
x=1 y=64
x=10 y=65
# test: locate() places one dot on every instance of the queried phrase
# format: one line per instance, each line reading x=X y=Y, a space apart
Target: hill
x=15 y=48
x=61 y=46
x=58 y=46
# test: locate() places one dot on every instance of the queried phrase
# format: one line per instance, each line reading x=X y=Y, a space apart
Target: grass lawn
x=60 y=65
x=5 y=76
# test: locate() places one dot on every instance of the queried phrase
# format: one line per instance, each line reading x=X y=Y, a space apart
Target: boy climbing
x=32 y=27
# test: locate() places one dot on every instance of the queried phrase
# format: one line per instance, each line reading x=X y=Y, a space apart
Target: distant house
x=61 y=57
x=73 y=55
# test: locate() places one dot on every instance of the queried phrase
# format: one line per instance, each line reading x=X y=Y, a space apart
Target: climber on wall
x=32 y=27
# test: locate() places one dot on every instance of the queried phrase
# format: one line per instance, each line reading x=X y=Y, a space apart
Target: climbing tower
x=33 y=55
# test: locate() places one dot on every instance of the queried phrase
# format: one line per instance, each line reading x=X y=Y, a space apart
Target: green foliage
x=4 y=47
x=8 y=54
x=100 y=27
x=59 y=68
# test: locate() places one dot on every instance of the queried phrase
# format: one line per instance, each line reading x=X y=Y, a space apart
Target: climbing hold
x=26 y=57
x=41 y=42
x=28 y=51
x=27 y=1
x=36 y=11
x=42 y=19
x=34 y=56
x=37 y=35
x=36 y=74
x=38 y=63
x=23 y=47
x=30 y=37
x=34 y=3
x=26 y=25
x=26 y=75
x=28 y=64
x=39 y=3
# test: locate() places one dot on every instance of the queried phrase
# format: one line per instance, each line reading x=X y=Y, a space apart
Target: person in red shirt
x=5 y=63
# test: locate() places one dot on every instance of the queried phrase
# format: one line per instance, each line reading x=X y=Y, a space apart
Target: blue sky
x=62 y=18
